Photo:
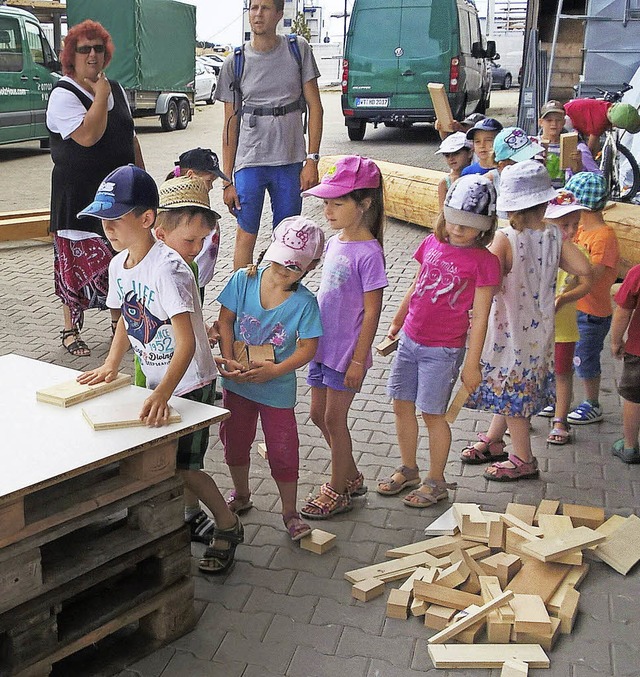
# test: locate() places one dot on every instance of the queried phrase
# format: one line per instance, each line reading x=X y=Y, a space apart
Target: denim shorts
x=593 y=331
x=321 y=376
x=424 y=375
x=283 y=185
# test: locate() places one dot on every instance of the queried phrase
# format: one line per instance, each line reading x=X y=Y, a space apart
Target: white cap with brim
x=471 y=201
x=295 y=243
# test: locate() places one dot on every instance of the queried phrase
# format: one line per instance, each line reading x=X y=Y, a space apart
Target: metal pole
x=556 y=29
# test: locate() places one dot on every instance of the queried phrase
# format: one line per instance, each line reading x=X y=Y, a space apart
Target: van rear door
x=15 y=105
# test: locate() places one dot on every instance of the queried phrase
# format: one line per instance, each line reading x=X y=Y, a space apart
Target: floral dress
x=518 y=357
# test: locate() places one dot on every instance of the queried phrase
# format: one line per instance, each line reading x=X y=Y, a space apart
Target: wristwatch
x=313 y=156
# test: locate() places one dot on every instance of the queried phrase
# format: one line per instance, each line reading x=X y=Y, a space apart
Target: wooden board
x=392 y=571
x=568 y=145
x=450 y=656
x=398 y=604
x=514 y=668
x=584 y=515
x=367 y=589
x=530 y=614
x=539 y=578
x=437 y=594
x=522 y=511
x=621 y=550
x=546 y=507
x=554 y=525
x=445 y=525
x=548 y=550
x=441 y=106
x=456 y=404
x=68 y=393
x=115 y=416
x=440 y=545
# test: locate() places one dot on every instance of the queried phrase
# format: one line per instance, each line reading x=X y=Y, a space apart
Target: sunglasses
x=86 y=49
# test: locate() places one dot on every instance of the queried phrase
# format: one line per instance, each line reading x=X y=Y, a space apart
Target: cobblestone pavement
x=284 y=611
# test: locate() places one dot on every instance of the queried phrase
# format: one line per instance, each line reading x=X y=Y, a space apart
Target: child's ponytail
x=374 y=215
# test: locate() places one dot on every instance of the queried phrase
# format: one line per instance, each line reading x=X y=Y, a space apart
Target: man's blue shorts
x=593 y=331
x=283 y=185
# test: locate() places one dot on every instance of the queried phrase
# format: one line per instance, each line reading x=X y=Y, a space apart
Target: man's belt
x=276 y=111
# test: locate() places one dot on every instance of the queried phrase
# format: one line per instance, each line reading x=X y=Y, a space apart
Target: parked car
x=500 y=77
x=205 y=83
x=213 y=61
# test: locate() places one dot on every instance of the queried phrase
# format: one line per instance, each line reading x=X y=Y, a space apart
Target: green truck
x=154 y=59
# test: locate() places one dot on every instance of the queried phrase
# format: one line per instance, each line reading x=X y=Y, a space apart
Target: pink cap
x=348 y=174
x=563 y=203
x=296 y=241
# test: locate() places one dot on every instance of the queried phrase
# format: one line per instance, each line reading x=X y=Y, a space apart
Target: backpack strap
x=294 y=48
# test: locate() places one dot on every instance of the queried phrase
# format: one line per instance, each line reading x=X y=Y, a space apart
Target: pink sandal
x=295 y=526
x=493 y=451
x=334 y=504
x=239 y=504
x=521 y=470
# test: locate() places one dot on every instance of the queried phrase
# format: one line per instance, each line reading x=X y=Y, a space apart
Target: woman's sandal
x=295 y=526
x=559 y=435
x=217 y=561
x=521 y=470
x=77 y=348
x=435 y=491
x=114 y=326
x=393 y=487
x=492 y=451
x=326 y=504
x=239 y=504
x=357 y=487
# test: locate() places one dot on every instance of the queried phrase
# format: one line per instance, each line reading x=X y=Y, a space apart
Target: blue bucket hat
x=590 y=189
x=122 y=191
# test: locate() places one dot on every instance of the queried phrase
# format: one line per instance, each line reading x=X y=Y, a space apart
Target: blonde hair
x=483 y=238
x=170 y=219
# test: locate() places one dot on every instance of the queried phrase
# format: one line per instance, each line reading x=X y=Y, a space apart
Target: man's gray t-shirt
x=270 y=79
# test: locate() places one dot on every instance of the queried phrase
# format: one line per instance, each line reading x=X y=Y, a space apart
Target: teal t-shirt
x=298 y=317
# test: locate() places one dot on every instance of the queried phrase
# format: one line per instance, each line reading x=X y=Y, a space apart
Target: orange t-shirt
x=602 y=245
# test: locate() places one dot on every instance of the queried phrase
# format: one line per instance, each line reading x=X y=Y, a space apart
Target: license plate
x=371 y=103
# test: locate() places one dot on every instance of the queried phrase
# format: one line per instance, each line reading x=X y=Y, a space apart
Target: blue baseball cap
x=513 y=143
x=485 y=125
x=124 y=190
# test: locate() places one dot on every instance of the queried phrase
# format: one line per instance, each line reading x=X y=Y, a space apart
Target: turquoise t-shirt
x=298 y=317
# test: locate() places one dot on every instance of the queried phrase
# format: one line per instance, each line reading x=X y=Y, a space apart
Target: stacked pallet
x=511 y=577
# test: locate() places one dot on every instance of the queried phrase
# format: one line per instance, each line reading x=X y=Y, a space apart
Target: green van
x=395 y=47
x=28 y=68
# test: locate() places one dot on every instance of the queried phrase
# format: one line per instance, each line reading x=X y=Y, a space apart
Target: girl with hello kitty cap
x=268 y=305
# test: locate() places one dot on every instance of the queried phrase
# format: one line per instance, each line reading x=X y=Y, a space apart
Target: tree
x=301 y=27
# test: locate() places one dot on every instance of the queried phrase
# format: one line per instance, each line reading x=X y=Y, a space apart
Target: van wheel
x=183 y=114
x=507 y=82
x=356 y=132
x=169 y=120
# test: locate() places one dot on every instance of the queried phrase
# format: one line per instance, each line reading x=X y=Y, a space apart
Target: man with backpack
x=267 y=85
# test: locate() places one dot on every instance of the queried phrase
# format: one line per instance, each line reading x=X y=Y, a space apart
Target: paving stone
x=356 y=616
x=272 y=656
x=286 y=631
x=297 y=608
x=309 y=663
x=186 y=664
x=150 y=666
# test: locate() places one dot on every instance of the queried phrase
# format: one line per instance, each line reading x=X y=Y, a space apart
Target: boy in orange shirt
x=594 y=309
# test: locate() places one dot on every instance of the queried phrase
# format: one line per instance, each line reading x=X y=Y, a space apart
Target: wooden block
x=441 y=106
x=554 y=525
x=502 y=565
x=445 y=525
x=454 y=575
x=471 y=635
x=116 y=416
x=263 y=353
x=539 y=578
x=513 y=521
x=318 y=541
x=456 y=404
x=522 y=511
x=394 y=570
x=621 y=550
x=71 y=392
x=584 y=515
x=438 y=617
x=568 y=145
x=531 y=614
x=262 y=450
x=515 y=538
x=546 y=640
x=398 y=604
x=546 y=507
x=471 y=618
x=490 y=589
x=498 y=630
x=550 y=549
x=438 y=546
x=367 y=589
x=572 y=581
x=569 y=611
x=415 y=576
x=497 y=535
x=387 y=346
x=471 y=521
x=479 y=551
x=438 y=594
x=419 y=607
x=240 y=354
x=514 y=668
x=451 y=656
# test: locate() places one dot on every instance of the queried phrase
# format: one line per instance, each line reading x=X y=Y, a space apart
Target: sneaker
x=201 y=526
x=585 y=413
x=548 y=412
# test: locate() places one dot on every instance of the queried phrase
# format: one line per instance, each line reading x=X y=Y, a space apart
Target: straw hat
x=185 y=191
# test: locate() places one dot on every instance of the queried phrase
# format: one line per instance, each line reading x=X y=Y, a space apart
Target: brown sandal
x=435 y=491
x=411 y=479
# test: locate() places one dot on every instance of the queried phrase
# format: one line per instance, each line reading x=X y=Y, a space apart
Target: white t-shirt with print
x=160 y=287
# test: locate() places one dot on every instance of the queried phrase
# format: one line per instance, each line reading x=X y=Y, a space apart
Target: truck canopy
x=155 y=40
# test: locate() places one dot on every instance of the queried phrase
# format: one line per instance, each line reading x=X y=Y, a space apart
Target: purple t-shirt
x=350 y=269
x=445 y=288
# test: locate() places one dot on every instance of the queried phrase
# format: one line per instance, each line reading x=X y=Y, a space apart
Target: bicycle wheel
x=621 y=173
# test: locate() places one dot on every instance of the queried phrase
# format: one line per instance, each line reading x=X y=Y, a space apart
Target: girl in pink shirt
x=457 y=274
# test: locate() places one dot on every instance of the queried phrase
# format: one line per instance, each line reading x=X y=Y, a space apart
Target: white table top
x=40 y=442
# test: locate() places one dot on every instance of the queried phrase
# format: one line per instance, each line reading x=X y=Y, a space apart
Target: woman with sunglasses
x=91 y=133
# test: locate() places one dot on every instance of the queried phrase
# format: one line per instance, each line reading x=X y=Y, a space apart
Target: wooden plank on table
x=68 y=393
x=116 y=416
x=621 y=549
x=471 y=618
x=548 y=550
x=441 y=106
x=539 y=578
x=451 y=656
x=438 y=594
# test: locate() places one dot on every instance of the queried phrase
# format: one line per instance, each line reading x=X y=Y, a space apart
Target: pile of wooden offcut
x=511 y=577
